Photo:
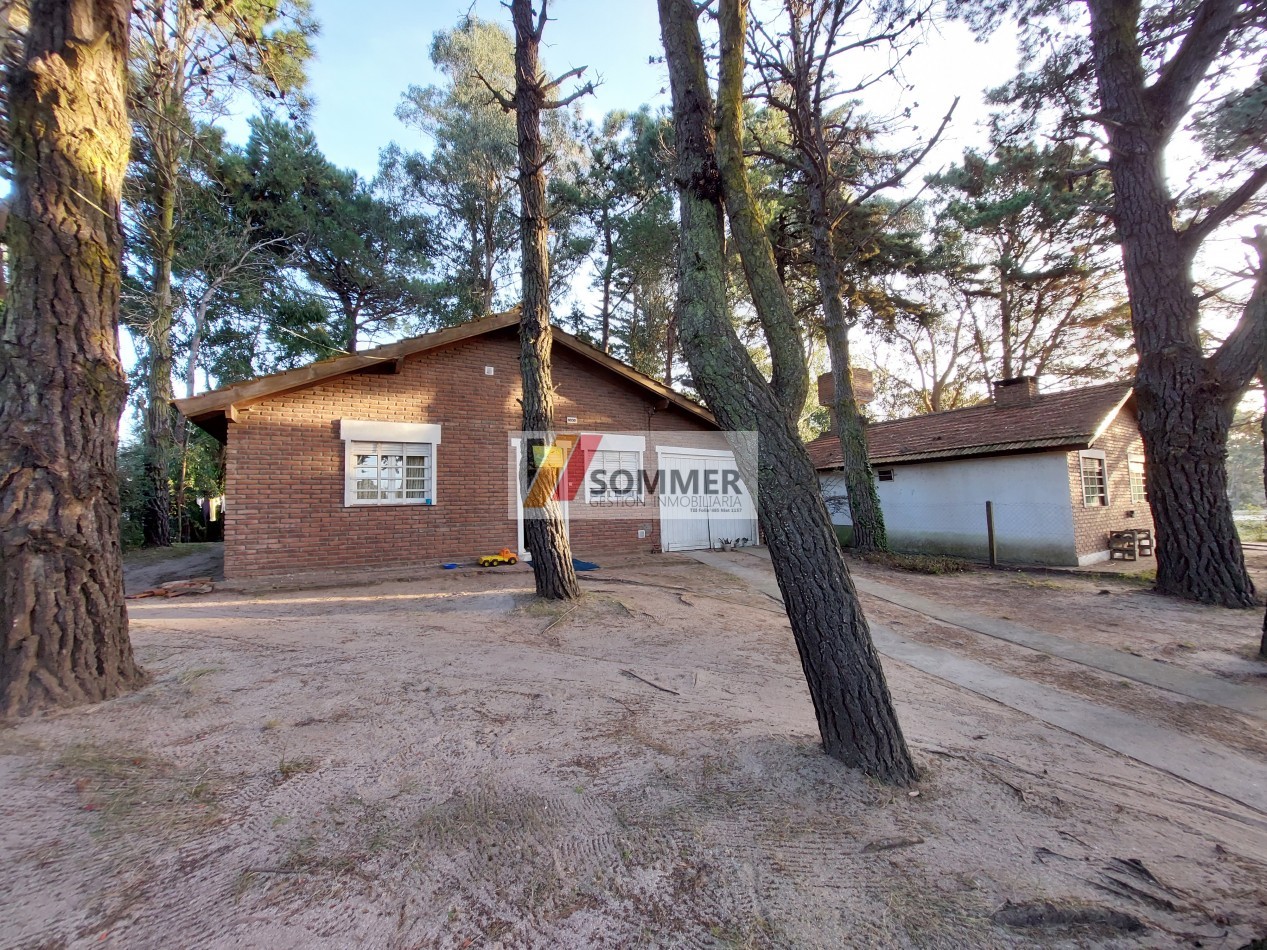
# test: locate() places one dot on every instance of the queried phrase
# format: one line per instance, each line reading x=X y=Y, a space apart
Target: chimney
x=1017 y=391
x=863 y=387
x=863 y=390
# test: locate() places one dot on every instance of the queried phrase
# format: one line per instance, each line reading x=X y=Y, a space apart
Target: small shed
x=1061 y=470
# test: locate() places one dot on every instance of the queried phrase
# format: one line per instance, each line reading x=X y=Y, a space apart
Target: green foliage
x=464 y=185
x=1057 y=89
x=200 y=465
x=620 y=198
x=1027 y=246
x=354 y=249
x=466 y=181
x=1245 y=463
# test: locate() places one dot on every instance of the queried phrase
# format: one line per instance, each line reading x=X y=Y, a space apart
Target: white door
x=694 y=518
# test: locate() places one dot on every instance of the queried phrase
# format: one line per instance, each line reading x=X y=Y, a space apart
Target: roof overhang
x=1029 y=446
x=1107 y=421
x=213 y=411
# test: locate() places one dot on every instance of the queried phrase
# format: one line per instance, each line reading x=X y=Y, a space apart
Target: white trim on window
x=1135 y=474
x=362 y=430
x=388 y=463
x=1095 y=484
x=607 y=460
x=620 y=442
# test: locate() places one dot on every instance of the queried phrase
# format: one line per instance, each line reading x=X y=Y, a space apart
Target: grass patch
x=289 y=768
x=1252 y=530
x=1040 y=583
x=918 y=563
x=1147 y=575
x=192 y=676
x=135 y=793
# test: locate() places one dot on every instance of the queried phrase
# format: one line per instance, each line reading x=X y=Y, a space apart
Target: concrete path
x=1214 y=690
x=1208 y=764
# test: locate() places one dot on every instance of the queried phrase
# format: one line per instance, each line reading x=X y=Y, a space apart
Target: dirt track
x=448 y=763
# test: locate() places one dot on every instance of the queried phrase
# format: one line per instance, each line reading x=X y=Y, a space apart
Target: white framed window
x=389 y=463
x=1095 y=483
x=614 y=475
x=392 y=473
x=884 y=474
x=1139 y=490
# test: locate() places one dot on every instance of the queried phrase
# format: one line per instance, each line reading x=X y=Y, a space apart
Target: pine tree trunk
x=842 y=669
x=544 y=532
x=61 y=385
x=1005 y=323
x=159 y=432
x=1262 y=645
x=609 y=267
x=865 y=512
x=670 y=347
x=1185 y=408
x=789 y=375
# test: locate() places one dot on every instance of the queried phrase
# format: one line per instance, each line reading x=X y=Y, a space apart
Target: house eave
x=213 y=411
x=1026 y=447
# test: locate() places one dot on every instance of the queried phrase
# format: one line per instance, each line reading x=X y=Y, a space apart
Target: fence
x=1002 y=533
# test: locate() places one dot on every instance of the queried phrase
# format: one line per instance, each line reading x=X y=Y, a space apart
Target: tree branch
x=1200 y=229
x=901 y=173
x=585 y=90
x=507 y=104
x=1170 y=95
x=555 y=83
x=1240 y=358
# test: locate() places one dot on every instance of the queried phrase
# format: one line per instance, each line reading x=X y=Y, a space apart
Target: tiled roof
x=1052 y=420
x=210 y=410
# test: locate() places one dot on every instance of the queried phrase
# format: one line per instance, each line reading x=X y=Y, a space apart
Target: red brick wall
x=1092 y=524
x=285 y=463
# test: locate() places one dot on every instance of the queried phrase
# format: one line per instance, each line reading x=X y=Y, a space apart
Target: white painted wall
x=939 y=507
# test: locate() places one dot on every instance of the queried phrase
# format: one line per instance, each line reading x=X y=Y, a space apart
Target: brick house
x=403 y=455
x=1062 y=471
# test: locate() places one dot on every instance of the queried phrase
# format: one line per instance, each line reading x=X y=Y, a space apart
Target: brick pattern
x=1092 y=525
x=285 y=462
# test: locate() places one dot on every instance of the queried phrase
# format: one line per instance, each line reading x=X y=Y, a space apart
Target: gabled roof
x=213 y=410
x=1074 y=418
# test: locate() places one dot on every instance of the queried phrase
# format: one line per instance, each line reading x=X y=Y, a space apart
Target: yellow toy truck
x=504 y=556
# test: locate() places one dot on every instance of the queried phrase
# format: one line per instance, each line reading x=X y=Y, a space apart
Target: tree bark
x=1262 y=643
x=789 y=375
x=544 y=532
x=846 y=682
x=609 y=267
x=159 y=431
x=1185 y=403
x=62 y=387
x=865 y=512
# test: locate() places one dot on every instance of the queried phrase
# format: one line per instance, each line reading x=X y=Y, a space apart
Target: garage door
x=696 y=509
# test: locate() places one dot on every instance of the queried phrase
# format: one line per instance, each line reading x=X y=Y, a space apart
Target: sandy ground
x=1103 y=610
x=447 y=763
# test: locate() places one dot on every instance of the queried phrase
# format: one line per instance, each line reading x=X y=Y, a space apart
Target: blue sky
x=368 y=53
